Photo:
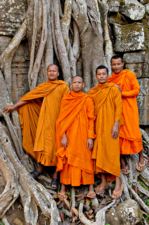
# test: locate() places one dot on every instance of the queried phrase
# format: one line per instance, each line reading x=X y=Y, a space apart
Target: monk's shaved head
x=77 y=77
x=52 y=72
x=53 y=65
x=77 y=84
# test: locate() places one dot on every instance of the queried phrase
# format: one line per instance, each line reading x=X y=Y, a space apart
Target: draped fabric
x=38 y=120
x=108 y=109
x=130 y=135
x=76 y=120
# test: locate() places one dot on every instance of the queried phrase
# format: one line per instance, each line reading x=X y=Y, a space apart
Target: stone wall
x=129 y=23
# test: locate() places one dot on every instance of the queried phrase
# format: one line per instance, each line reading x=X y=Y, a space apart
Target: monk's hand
x=90 y=143
x=64 y=141
x=9 y=108
x=115 y=130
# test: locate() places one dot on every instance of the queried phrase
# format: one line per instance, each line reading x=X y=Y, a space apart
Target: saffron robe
x=38 y=120
x=108 y=110
x=130 y=135
x=76 y=120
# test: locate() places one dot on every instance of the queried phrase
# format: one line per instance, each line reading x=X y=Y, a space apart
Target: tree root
x=32 y=193
x=37 y=63
x=139 y=200
x=11 y=191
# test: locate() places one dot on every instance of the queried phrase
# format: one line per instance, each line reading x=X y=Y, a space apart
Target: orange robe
x=130 y=135
x=76 y=120
x=108 y=109
x=38 y=120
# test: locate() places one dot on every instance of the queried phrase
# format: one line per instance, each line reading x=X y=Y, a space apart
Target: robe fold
x=108 y=110
x=76 y=120
x=130 y=135
x=38 y=120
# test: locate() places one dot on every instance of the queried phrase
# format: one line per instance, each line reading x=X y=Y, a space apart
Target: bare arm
x=115 y=130
x=11 y=108
x=90 y=143
x=118 y=113
x=64 y=141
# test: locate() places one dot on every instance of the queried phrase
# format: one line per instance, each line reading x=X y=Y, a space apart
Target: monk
x=38 y=111
x=130 y=135
x=75 y=134
x=106 y=151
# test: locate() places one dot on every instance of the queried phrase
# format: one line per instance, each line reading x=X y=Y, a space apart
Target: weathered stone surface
x=144 y=117
x=143 y=101
x=144 y=1
x=137 y=57
x=136 y=68
x=133 y=9
x=114 y=5
x=126 y=213
x=141 y=69
x=129 y=37
x=11 y=16
x=147 y=8
x=19 y=68
x=144 y=84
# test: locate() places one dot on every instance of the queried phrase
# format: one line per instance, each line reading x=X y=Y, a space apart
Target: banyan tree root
x=20 y=183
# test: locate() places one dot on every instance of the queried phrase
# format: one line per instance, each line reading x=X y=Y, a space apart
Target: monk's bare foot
x=140 y=166
x=118 y=189
x=91 y=194
x=36 y=173
x=125 y=170
x=62 y=194
x=100 y=189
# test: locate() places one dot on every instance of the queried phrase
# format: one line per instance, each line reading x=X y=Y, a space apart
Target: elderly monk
x=38 y=111
x=130 y=135
x=75 y=134
x=106 y=151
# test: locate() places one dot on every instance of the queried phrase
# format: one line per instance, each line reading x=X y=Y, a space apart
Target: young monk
x=38 y=111
x=106 y=151
x=130 y=135
x=75 y=134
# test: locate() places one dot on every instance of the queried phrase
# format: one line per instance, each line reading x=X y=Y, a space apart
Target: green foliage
x=147 y=218
x=143 y=185
x=1 y=223
x=147 y=202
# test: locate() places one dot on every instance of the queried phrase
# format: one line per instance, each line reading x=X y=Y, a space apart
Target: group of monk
x=83 y=134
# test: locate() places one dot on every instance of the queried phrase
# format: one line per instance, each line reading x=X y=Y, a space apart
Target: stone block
x=143 y=101
x=144 y=117
x=134 y=57
x=129 y=37
x=144 y=2
x=11 y=16
x=144 y=85
x=136 y=68
x=126 y=213
x=114 y=5
x=147 y=8
x=133 y=9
